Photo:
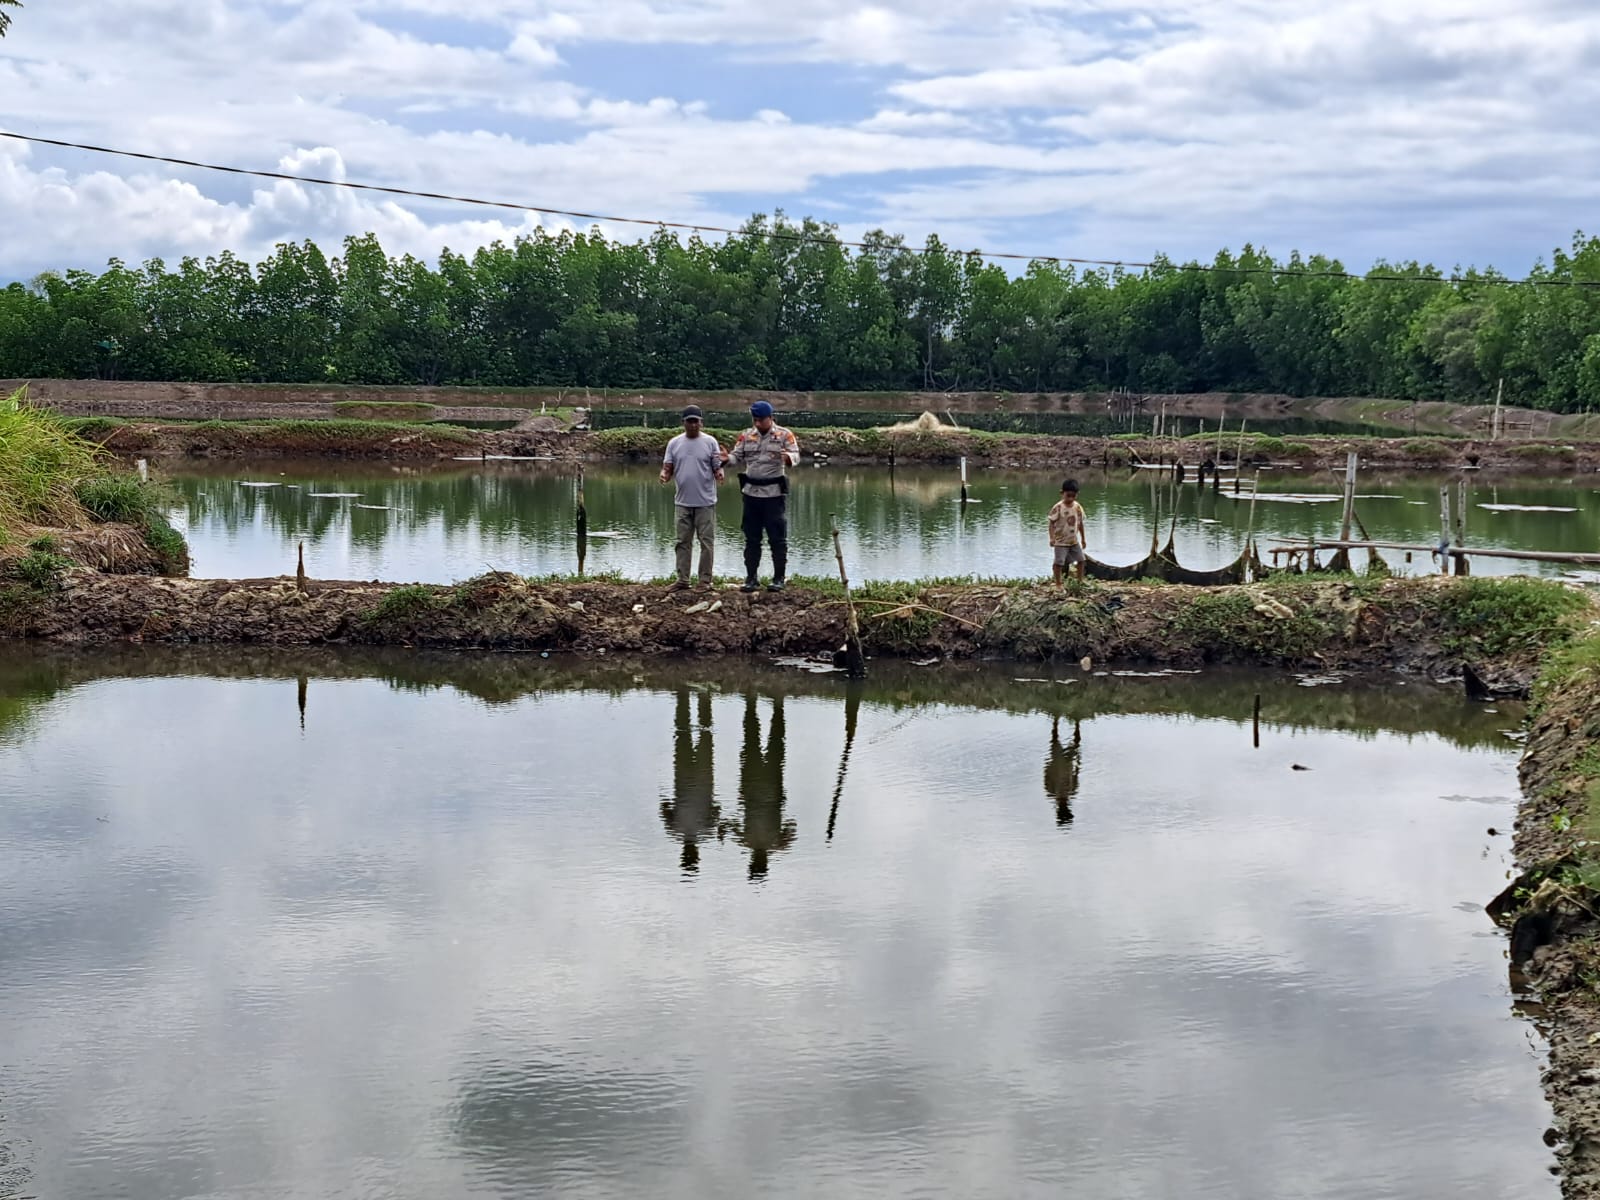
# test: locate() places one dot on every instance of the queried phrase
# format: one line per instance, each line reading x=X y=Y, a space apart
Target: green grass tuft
x=39 y=569
x=1501 y=616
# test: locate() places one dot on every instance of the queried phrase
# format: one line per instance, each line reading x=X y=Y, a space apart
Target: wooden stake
x=855 y=661
x=300 y=571
x=1462 y=567
x=963 y=479
x=1444 y=528
x=1351 y=463
x=1238 y=460
x=1499 y=394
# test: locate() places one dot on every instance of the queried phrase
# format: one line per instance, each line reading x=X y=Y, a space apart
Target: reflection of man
x=692 y=812
x=762 y=826
x=1061 y=769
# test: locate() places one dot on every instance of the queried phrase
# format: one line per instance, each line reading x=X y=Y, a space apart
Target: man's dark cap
x=692 y=411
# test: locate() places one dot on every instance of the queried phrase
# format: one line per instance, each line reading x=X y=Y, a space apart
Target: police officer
x=762 y=456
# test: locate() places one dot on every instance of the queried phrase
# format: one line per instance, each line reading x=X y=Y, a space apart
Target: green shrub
x=123 y=498
x=405 y=603
x=41 y=461
x=1498 y=616
x=39 y=569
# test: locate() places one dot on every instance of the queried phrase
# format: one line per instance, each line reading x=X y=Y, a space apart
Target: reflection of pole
x=852 y=709
x=855 y=660
x=300 y=687
x=1257 y=721
x=583 y=524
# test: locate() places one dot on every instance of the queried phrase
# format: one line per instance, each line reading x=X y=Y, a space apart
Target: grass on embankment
x=51 y=476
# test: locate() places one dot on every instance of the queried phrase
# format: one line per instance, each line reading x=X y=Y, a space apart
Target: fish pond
x=348 y=925
x=440 y=525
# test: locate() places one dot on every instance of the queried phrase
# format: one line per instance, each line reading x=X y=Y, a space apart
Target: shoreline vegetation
x=785 y=304
x=64 y=502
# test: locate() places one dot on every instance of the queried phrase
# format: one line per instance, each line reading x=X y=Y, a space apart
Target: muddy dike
x=1431 y=626
x=1552 y=909
x=403 y=442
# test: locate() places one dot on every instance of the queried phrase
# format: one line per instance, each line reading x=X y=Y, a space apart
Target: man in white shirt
x=693 y=462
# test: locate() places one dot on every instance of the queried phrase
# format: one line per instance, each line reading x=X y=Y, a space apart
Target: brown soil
x=235 y=401
x=1555 y=825
x=1333 y=625
x=111 y=548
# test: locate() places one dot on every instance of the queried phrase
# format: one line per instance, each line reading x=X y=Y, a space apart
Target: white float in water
x=1526 y=508
x=252 y=483
x=335 y=495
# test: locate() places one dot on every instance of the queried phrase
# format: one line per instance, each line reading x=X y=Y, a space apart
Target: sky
x=1458 y=132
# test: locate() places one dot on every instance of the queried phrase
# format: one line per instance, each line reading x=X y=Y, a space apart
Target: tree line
x=786 y=306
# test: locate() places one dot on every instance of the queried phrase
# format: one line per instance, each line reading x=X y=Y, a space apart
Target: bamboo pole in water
x=855 y=661
x=1444 y=527
x=1350 y=466
x=1238 y=460
x=963 y=479
x=1462 y=565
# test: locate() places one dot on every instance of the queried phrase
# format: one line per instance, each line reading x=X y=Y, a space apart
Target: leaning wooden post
x=1499 y=394
x=855 y=661
x=1351 y=463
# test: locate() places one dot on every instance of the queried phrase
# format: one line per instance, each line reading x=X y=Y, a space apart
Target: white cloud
x=1453 y=129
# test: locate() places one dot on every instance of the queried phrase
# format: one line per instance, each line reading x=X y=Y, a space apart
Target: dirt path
x=1419 y=625
x=219 y=401
x=414 y=443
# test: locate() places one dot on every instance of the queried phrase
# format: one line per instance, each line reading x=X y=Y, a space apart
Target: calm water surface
x=400 y=926
x=443 y=525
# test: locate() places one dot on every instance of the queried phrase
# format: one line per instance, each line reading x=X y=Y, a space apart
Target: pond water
x=317 y=925
x=441 y=525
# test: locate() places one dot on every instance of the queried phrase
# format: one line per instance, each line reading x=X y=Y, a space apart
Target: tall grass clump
x=41 y=465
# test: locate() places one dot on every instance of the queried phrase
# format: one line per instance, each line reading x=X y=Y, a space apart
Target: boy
x=1067 y=535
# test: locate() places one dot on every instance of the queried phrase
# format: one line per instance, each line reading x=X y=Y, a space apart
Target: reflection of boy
x=1061 y=769
x=1068 y=538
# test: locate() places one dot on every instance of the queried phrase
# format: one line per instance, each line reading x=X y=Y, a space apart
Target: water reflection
x=436 y=945
x=445 y=525
x=764 y=829
x=1061 y=769
x=691 y=813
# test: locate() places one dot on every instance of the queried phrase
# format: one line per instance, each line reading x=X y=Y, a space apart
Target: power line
x=784 y=235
